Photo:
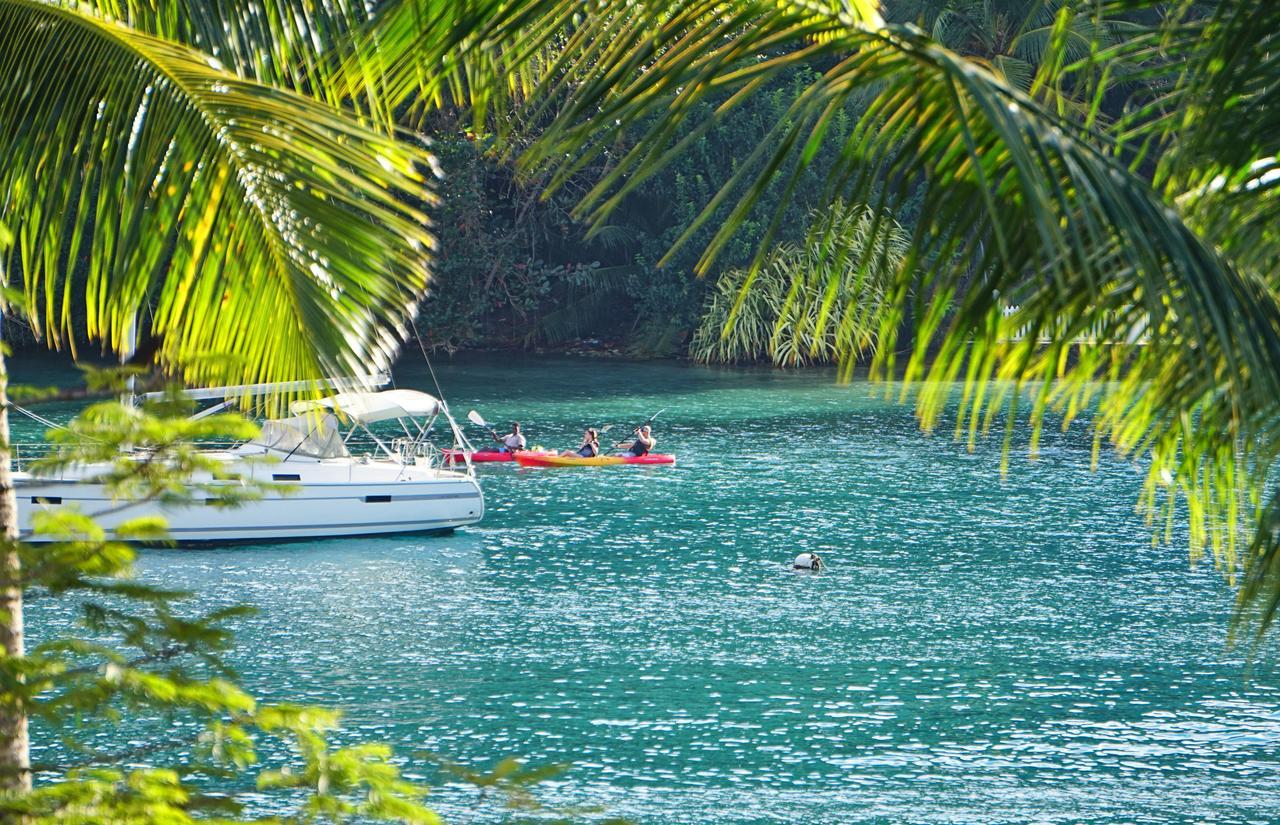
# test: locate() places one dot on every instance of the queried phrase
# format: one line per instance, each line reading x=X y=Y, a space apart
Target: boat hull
x=537 y=460
x=318 y=507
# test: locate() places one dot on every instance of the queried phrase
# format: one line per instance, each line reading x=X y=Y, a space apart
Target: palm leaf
x=1213 y=120
x=1215 y=127
x=811 y=303
x=486 y=56
x=261 y=235
x=295 y=44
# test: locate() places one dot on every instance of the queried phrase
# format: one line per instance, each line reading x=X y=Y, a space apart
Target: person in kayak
x=512 y=441
x=590 y=446
x=645 y=442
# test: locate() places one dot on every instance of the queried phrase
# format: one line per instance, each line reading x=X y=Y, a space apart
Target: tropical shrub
x=809 y=302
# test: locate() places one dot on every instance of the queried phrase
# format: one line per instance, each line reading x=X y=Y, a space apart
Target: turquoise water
x=980 y=649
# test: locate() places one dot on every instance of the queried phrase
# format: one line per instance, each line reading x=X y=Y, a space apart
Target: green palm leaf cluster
x=259 y=234
x=809 y=303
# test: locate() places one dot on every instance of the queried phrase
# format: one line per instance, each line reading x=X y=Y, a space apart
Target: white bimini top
x=368 y=407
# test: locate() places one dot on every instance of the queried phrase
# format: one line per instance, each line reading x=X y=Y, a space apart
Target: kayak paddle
x=652 y=418
x=475 y=418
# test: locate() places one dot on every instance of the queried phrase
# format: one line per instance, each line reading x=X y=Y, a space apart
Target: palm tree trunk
x=15 y=746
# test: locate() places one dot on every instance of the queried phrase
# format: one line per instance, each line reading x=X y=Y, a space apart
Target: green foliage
x=516 y=269
x=256 y=234
x=507 y=260
x=810 y=303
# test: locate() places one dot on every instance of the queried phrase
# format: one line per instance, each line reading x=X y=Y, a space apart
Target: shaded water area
x=981 y=649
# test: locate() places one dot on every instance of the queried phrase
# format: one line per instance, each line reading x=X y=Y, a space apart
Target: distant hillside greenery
x=516 y=271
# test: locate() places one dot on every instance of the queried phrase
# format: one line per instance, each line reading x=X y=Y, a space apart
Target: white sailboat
x=398 y=485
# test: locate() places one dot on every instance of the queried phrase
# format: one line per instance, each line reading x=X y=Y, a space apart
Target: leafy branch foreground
x=137 y=662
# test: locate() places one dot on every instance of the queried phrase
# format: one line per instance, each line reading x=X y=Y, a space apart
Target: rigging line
x=422 y=347
x=39 y=419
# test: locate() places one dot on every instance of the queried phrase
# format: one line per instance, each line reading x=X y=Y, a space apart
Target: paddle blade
x=474 y=418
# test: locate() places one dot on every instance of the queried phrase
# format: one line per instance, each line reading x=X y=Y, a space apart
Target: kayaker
x=513 y=440
x=645 y=442
x=590 y=447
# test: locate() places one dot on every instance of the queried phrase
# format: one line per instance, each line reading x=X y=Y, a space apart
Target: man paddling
x=645 y=442
x=512 y=441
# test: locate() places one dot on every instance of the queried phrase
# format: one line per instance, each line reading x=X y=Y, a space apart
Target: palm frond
x=1214 y=126
x=479 y=55
x=294 y=44
x=810 y=303
x=1213 y=120
x=263 y=236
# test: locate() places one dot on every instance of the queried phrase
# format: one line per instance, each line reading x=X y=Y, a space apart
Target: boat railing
x=410 y=450
x=419 y=452
x=23 y=453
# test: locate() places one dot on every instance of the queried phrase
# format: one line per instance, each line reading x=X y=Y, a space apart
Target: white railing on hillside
x=1093 y=335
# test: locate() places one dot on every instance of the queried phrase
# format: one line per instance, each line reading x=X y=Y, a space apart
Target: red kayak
x=530 y=459
x=482 y=456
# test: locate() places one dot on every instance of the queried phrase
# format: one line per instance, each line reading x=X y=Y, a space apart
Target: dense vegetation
x=518 y=271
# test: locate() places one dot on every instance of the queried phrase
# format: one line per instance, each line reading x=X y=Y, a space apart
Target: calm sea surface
x=981 y=649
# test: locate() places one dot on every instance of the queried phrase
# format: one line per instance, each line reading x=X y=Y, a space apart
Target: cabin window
x=285 y=477
x=377 y=499
x=46 y=499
